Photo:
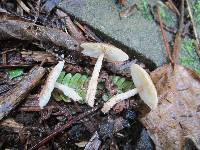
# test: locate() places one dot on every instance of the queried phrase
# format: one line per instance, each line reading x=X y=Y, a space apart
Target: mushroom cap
x=111 y=53
x=145 y=86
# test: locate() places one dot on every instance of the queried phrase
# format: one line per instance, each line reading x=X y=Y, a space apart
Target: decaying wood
x=13 y=97
x=12 y=28
x=38 y=56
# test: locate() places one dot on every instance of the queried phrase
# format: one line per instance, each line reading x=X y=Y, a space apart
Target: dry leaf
x=177 y=117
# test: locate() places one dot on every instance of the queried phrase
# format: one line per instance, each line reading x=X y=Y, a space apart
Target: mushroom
x=100 y=51
x=144 y=87
x=45 y=94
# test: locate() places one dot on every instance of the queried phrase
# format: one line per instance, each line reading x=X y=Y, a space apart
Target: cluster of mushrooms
x=142 y=81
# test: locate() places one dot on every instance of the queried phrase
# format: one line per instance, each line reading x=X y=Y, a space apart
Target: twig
x=13 y=97
x=171 y=5
x=177 y=43
x=24 y=7
x=4 y=66
x=164 y=37
x=68 y=124
x=88 y=32
x=197 y=44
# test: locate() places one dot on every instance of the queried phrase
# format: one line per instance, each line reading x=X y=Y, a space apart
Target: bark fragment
x=13 y=97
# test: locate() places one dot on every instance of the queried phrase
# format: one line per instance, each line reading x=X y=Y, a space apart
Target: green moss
x=188 y=56
x=145 y=10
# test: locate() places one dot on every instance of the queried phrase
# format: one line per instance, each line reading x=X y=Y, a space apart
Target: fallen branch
x=12 y=28
x=13 y=97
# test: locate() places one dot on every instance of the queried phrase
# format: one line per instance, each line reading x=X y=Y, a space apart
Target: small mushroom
x=100 y=51
x=144 y=87
x=45 y=94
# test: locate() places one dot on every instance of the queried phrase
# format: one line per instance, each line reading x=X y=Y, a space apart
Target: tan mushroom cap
x=145 y=86
x=111 y=53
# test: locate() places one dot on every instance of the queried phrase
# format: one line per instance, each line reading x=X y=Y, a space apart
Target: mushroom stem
x=118 y=98
x=91 y=91
x=70 y=92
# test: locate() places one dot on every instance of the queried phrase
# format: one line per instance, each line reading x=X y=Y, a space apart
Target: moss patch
x=188 y=56
x=145 y=10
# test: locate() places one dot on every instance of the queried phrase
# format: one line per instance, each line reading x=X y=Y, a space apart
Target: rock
x=139 y=37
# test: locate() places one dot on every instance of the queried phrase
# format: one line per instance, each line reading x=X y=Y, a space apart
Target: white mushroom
x=144 y=86
x=70 y=92
x=100 y=51
x=45 y=94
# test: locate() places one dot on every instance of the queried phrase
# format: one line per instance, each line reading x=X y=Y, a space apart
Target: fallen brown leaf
x=177 y=118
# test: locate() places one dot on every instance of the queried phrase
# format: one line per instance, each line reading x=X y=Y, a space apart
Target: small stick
x=164 y=37
x=177 y=44
x=88 y=32
x=13 y=97
x=24 y=7
x=68 y=124
x=197 y=44
x=171 y=5
x=73 y=30
x=5 y=66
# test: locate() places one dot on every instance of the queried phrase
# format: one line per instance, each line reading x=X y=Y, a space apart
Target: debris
x=70 y=92
x=121 y=2
x=11 y=123
x=60 y=129
x=94 y=142
x=100 y=51
x=24 y=7
x=45 y=94
x=171 y=5
x=13 y=97
x=144 y=86
x=49 y=5
x=38 y=56
x=12 y=28
x=128 y=11
x=72 y=29
x=81 y=144
x=164 y=37
x=177 y=42
x=4 y=88
x=88 y=32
